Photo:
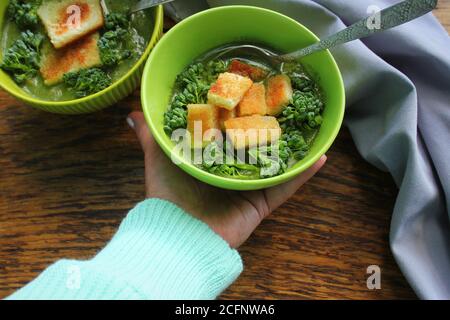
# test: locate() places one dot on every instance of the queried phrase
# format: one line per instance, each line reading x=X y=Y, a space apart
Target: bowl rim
x=229 y=183
x=159 y=16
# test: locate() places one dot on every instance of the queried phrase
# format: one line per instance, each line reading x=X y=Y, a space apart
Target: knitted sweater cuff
x=159 y=252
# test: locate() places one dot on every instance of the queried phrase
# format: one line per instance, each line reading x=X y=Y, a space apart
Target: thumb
x=136 y=121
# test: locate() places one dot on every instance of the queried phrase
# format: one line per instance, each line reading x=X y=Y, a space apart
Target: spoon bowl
x=246 y=50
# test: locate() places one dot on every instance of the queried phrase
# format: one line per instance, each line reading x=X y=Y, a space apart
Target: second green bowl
x=220 y=26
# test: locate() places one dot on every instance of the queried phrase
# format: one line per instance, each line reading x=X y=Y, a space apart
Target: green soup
x=299 y=119
x=141 y=27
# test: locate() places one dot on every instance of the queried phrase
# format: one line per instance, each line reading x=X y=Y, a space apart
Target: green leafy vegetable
x=218 y=162
x=300 y=122
x=268 y=160
x=299 y=78
x=117 y=20
x=306 y=108
x=201 y=73
x=113 y=43
x=112 y=47
x=235 y=171
x=24 y=13
x=303 y=83
x=176 y=116
x=87 y=81
x=22 y=59
x=192 y=87
x=275 y=159
x=294 y=145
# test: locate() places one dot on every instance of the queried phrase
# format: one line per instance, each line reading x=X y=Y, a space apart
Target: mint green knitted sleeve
x=159 y=252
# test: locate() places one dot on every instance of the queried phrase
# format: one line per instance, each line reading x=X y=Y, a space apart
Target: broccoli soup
x=61 y=50
x=248 y=120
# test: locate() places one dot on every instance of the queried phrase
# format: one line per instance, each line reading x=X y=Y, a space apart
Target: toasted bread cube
x=228 y=90
x=247 y=70
x=225 y=115
x=254 y=101
x=249 y=132
x=80 y=55
x=201 y=117
x=279 y=94
x=67 y=21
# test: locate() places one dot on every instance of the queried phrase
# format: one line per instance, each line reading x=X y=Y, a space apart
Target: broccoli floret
x=112 y=48
x=193 y=86
x=117 y=20
x=87 y=81
x=22 y=59
x=24 y=13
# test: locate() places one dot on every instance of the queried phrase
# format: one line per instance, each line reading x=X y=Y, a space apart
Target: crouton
x=254 y=101
x=67 y=21
x=225 y=115
x=201 y=117
x=249 y=132
x=279 y=94
x=247 y=70
x=80 y=55
x=228 y=90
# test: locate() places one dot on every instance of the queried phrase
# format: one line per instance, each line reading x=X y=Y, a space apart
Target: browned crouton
x=67 y=21
x=249 y=132
x=279 y=94
x=228 y=90
x=254 y=101
x=244 y=69
x=200 y=119
x=80 y=55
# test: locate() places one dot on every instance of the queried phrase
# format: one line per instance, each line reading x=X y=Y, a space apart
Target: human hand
x=231 y=214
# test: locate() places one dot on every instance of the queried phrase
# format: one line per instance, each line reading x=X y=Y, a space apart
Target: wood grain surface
x=67 y=182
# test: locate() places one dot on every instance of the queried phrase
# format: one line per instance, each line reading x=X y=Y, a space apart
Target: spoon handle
x=145 y=4
x=390 y=17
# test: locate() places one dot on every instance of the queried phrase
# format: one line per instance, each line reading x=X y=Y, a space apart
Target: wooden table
x=67 y=182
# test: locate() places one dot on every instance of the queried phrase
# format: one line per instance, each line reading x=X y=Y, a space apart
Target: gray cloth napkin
x=398 y=112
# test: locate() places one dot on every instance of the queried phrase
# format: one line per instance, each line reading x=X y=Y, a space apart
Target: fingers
x=137 y=122
x=276 y=196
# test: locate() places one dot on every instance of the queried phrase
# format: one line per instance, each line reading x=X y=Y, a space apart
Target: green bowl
x=103 y=99
x=216 y=27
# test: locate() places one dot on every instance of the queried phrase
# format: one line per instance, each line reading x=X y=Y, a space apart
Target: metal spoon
x=390 y=17
x=146 y=4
